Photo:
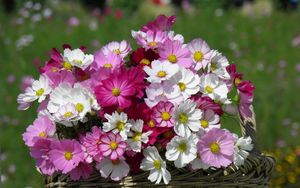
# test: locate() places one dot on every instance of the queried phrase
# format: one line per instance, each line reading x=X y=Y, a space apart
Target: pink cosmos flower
x=200 y=53
x=216 y=148
x=161 y=23
x=209 y=120
x=112 y=145
x=73 y=21
x=83 y=170
x=42 y=127
x=246 y=94
x=115 y=90
x=175 y=52
x=91 y=142
x=110 y=61
x=152 y=40
x=162 y=114
x=136 y=75
x=120 y=48
x=235 y=77
x=66 y=154
x=206 y=103
x=40 y=152
x=26 y=82
x=57 y=77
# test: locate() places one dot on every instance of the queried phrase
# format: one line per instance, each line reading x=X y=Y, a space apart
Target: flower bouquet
x=146 y=117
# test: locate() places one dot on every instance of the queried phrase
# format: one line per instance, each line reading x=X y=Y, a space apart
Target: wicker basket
x=255 y=172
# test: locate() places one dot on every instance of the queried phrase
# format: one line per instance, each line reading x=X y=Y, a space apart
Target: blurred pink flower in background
x=298 y=67
x=73 y=21
x=296 y=41
x=26 y=82
x=11 y=78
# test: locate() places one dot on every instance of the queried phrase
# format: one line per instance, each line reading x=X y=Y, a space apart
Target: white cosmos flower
x=187 y=82
x=160 y=71
x=212 y=86
x=93 y=102
x=242 y=148
x=64 y=94
x=218 y=65
x=117 y=123
x=200 y=53
x=38 y=91
x=120 y=48
x=182 y=150
x=157 y=92
x=186 y=118
x=136 y=34
x=209 y=120
x=66 y=114
x=137 y=137
x=157 y=167
x=197 y=163
x=76 y=58
x=116 y=169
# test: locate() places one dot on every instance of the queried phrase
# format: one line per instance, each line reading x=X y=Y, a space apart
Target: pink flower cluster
x=108 y=110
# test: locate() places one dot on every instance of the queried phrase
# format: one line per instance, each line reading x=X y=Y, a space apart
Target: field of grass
x=261 y=48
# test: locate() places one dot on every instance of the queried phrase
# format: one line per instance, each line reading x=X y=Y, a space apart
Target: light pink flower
x=26 y=82
x=120 y=48
x=209 y=120
x=175 y=52
x=162 y=114
x=42 y=127
x=91 y=142
x=216 y=148
x=110 y=61
x=200 y=53
x=112 y=146
x=73 y=21
x=152 y=40
x=40 y=152
x=66 y=154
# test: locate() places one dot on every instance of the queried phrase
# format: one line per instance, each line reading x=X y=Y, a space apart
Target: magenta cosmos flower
x=174 y=52
x=216 y=148
x=40 y=151
x=42 y=127
x=162 y=114
x=161 y=23
x=112 y=145
x=83 y=170
x=66 y=154
x=200 y=53
x=91 y=142
x=115 y=90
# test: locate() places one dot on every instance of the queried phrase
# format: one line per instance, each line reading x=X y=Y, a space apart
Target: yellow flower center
x=115 y=92
x=39 y=92
x=237 y=81
x=120 y=125
x=182 y=147
x=42 y=134
x=78 y=62
x=152 y=44
x=182 y=86
x=165 y=116
x=79 y=107
x=67 y=65
x=198 y=56
x=161 y=74
x=204 y=123
x=151 y=123
x=107 y=65
x=68 y=114
x=145 y=61
x=214 y=147
x=68 y=155
x=113 y=145
x=137 y=136
x=157 y=164
x=183 y=118
x=117 y=51
x=209 y=89
x=172 y=58
x=213 y=66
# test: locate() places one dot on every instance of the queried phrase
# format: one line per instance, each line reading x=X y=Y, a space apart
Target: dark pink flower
x=206 y=103
x=83 y=170
x=246 y=94
x=161 y=23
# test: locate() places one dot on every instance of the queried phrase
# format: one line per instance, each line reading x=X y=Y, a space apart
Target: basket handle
x=248 y=128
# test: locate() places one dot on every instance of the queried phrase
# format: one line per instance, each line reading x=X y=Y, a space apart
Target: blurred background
x=261 y=36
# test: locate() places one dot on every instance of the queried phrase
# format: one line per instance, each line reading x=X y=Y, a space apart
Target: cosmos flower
x=115 y=169
x=152 y=39
x=200 y=53
x=120 y=48
x=242 y=148
x=76 y=58
x=162 y=114
x=112 y=145
x=160 y=71
x=137 y=136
